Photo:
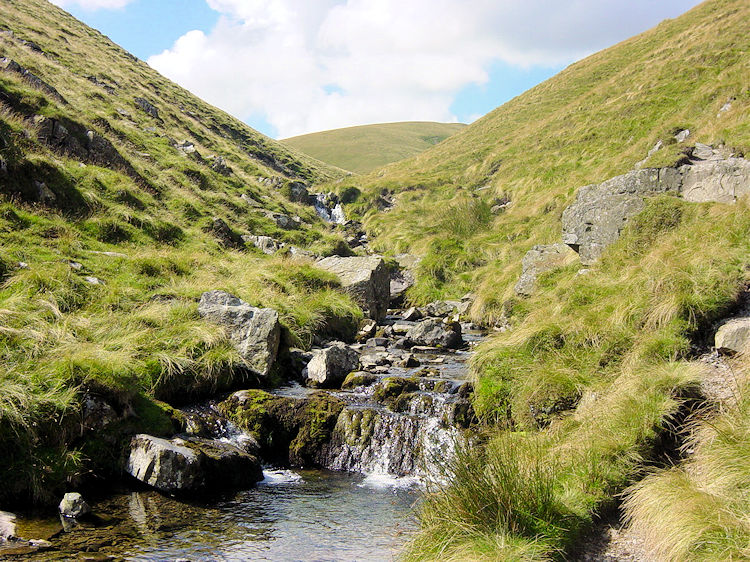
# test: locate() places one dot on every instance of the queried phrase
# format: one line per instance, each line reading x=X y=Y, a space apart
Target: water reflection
x=306 y=515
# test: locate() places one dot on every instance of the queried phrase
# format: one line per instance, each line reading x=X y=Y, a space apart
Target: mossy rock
x=317 y=421
x=358 y=378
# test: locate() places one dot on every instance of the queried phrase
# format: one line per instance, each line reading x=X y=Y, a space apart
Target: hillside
x=589 y=379
x=122 y=199
x=363 y=149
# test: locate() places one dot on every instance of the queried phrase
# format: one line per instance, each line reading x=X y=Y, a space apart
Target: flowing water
x=364 y=510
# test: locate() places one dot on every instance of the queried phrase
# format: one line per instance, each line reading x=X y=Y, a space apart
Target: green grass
x=141 y=226
x=365 y=148
x=699 y=510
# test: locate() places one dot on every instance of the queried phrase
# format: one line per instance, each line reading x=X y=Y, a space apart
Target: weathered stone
x=147 y=107
x=722 y=181
x=73 y=505
x=254 y=332
x=681 y=136
x=266 y=244
x=365 y=279
x=7 y=525
x=600 y=211
x=358 y=378
x=329 y=367
x=367 y=330
x=298 y=193
x=404 y=277
x=441 y=308
x=220 y=166
x=377 y=342
x=283 y=221
x=412 y=315
x=434 y=333
x=538 y=260
x=734 y=336
x=10 y=65
x=191 y=464
x=402 y=328
x=373 y=359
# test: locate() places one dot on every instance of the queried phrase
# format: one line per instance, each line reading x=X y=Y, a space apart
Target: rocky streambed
x=327 y=468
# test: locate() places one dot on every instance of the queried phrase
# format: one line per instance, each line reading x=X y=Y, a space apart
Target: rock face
x=600 y=211
x=366 y=279
x=329 y=367
x=255 y=332
x=734 y=336
x=73 y=505
x=538 y=260
x=190 y=465
x=434 y=333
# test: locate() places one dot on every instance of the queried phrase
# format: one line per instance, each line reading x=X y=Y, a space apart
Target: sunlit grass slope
x=363 y=149
x=589 y=385
x=99 y=283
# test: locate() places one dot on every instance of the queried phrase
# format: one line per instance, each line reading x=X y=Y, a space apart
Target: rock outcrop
x=254 y=332
x=330 y=366
x=538 y=260
x=600 y=211
x=366 y=279
x=733 y=336
x=435 y=333
x=183 y=466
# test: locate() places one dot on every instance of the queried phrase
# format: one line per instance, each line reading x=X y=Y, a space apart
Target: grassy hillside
x=365 y=148
x=581 y=392
x=108 y=237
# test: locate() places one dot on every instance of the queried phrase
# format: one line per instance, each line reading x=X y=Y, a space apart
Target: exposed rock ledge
x=600 y=211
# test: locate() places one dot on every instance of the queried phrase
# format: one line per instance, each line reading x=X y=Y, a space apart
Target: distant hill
x=367 y=147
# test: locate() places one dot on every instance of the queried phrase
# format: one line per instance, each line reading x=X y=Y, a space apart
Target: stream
x=358 y=505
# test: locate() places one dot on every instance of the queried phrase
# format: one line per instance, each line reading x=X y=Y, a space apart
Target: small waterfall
x=328 y=208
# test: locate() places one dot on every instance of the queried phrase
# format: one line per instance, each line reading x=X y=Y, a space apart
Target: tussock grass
x=699 y=510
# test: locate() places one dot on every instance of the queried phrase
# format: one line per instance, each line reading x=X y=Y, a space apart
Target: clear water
x=305 y=516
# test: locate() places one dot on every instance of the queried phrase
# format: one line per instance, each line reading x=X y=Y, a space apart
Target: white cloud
x=308 y=65
x=93 y=4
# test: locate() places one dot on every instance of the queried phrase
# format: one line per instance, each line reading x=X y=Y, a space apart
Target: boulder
x=719 y=180
x=600 y=211
x=412 y=315
x=220 y=166
x=366 y=279
x=73 y=505
x=733 y=336
x=265 y=244
x=179 y=466
x=254 y=332
x=329 y=367
x=434 y=333
x=538 y=260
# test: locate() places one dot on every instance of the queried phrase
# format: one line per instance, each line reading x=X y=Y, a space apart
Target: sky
x=289 y=67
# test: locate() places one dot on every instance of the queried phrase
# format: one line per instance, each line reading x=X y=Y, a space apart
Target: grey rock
x=373 y=359
x=726 y=107
x=329 y=367
x=366 y=279
x=7 y=525
x=185 y=147
x=538 y=260
x=44 y=194
x=220 y=166
x=401 y=328
x=733 y=336
x=404 y=277
x=682 y=135
x=97 y=413
x=721 y=181
x=600 y=211
x=190 y=465
x=296 y=252
x=283 y=221
x=367 y=330
x=254 y=332
x=266 y=244
x=10 y=65
x=412 y=315
x=298 y=193
x=441 y=309
x=147 y=107
x=434 y=333
x=93 y=280
x=73 y=505
x=377 y=342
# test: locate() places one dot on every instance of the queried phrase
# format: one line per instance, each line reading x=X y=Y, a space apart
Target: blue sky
x=289 y=67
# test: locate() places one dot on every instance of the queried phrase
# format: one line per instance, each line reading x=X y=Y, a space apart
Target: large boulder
x=366 y=279
x=722 y=181
x=600 y=211
x=733 y=336
x=254 y=332
x=435 y=333
x=539 y=260
x=329 y=367
x=182 y=466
